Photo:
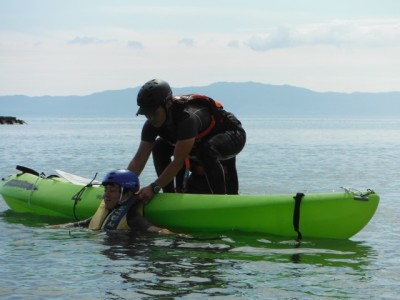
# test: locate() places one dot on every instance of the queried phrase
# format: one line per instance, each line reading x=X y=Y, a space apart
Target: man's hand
x=145 y=194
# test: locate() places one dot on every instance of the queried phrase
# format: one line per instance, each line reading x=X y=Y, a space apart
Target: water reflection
x=217 y=266
x=30 y=220
x=117 y=265
x=166 y=265
x=323 y=252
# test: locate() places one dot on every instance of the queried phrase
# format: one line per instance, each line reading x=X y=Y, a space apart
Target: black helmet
x=152 y=94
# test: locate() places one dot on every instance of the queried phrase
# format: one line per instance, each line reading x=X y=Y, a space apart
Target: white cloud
x=233 y=44
x=85 y=40
x=280 y=37
x=135 y=45
x=373 y=33
x=186 y=42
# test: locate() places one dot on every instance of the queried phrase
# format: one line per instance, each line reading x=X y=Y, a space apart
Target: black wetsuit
x=215 y=152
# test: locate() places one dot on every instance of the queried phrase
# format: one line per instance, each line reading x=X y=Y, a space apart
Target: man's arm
x=139 y=161
x=140 y=223
x=84 y=223
x=181 y=151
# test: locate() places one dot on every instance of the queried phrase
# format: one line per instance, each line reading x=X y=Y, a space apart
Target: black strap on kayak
x=78 y=196
x=296 y=214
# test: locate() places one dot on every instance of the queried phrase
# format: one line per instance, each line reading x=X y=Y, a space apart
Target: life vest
x=215 y=108
x=103 y=219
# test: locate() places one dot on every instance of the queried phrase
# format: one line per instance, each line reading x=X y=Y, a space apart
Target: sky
x=79 y=47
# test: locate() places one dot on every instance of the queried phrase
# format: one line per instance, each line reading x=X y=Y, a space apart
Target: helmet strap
x=166 y=104
x=120 y=197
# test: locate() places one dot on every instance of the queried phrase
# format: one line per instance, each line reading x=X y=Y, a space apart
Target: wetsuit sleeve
x=136 y=221
x=149 y=132
x=139 y=223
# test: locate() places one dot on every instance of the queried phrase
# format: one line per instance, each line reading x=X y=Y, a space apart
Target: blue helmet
x=125 y=178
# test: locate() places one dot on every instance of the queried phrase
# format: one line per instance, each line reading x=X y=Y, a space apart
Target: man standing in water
x=189 y=132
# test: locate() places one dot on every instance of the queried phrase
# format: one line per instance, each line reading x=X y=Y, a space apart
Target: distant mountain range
x=243 y=99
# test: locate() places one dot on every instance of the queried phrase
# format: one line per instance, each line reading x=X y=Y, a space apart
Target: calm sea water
x=281 y=156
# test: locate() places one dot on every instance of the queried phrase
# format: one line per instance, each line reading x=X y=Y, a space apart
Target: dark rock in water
x=10 y=121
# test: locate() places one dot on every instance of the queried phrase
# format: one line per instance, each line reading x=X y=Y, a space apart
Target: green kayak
x=330 y=215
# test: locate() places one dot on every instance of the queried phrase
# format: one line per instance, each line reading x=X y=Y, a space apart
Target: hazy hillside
x=244 y=99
